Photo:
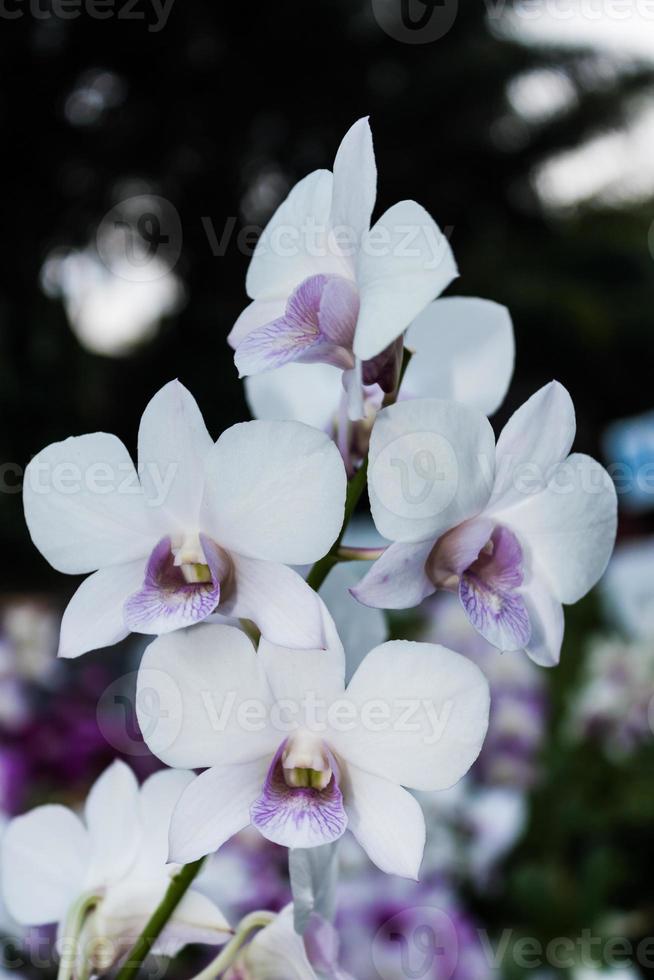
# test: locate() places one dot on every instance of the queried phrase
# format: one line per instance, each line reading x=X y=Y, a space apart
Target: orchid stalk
x=178 y=887
x=246 y=927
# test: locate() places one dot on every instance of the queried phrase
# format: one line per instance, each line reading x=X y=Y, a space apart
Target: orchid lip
x=489 y=592
x=301 y=805
x=183 y=584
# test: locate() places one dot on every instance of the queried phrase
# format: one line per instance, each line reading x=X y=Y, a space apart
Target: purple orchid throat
x=168 y=600
x=488 y=590
x=317 y=326
x=299 y=815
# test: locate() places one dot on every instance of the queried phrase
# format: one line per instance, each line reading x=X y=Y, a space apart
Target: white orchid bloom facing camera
x=329 y=289
x=288 y=749
x=515 y=529
x=101 y=877
x=203 y=527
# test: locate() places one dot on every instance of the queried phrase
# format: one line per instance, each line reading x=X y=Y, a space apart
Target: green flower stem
x=177 y=888
x=355 y=488
x=247 y=925
x=73 y=926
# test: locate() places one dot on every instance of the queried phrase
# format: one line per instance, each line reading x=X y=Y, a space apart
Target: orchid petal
x=397 y=580
x=537 y=437
x=322 y=945
x=172 y=446
x=387 y=821
x=488 y=591
x=275 y=491
x=447 y=696
x=84 y=506
x=277 y=952
x=45 y=855
x=197 y=919
x=200 y=682
x=570 y=526
x=293 y=673
x=127 y=907
x=257 y=314
x=355 y=181
x=94 y=616
x=431 y=468
x=464 y=350
x=213 y=808
x=282 y=257
x=546 y=618
x=404 y=263
x=316 y=326
x=308 y=393
x=112 y=818
x=278 y=600
x=158 y=797
x=459 y=548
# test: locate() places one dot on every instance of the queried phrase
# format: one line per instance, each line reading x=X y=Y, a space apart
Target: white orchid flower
x=289 y=750
x=114 y=862
x=204 y=527
x=278 y=952
x=329 y=289
x=515 y=529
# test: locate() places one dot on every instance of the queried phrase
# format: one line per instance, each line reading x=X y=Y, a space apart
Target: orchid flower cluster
x=354 y=368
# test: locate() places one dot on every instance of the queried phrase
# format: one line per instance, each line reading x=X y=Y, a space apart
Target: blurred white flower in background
x=108 y=311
